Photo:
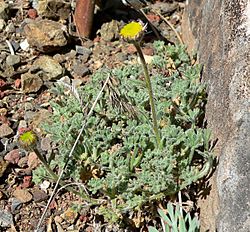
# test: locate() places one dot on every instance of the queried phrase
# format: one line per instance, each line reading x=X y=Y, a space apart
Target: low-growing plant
x=175 y=221
x=118 y=158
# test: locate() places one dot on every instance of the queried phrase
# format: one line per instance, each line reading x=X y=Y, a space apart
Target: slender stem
x=150 y=92
x=50 y=171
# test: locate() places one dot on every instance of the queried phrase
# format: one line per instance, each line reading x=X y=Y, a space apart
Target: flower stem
x=150 y=92
x=40 y=157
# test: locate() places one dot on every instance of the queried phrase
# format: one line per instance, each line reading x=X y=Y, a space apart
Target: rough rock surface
x=46 y=35
x=222 y=33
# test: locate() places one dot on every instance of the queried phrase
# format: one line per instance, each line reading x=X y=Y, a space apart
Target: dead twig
x=170 y=25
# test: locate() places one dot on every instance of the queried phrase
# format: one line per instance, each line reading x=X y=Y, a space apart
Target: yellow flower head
x=27 y=139
x=132 y=31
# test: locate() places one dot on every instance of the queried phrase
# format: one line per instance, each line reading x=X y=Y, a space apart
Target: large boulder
x=221 y=35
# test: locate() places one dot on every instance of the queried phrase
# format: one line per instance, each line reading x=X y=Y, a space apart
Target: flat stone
x=13 y=60
x=80 y=70
x=45 y=35
x=6 y=218
x=46 y=144
x=33 y=160
x=5 y=130
x=110 y=31
x=54 y=9
x=81 y=50
x=47 y=68
x=23 y=195
x=23 y=162
x=3 y=166
x=39 y=195
x=4 y=10
x=13 y=156
x=15 y=205
x=70 y=215
x=30 y=83
x=2 y=24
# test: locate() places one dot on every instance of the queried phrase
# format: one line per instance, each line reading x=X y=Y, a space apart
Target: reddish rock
x=5 y=130
x=32 y=13
x=27 y=182
x=148 y=51
x=153 y=18
x=17 y=83
x=13 y=156
x=131 y=49
x=31 y=83
x=22 y=195
x=33 y=160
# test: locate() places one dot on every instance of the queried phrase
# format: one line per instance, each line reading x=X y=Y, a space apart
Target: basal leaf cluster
x=117 y=157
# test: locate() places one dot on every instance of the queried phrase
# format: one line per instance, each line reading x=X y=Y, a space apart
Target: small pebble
x=32 y=13
x=13 y=156
x=5 y=130
x=33 y=160
x=24 y=45
x=39 y=195
x=70 y=215
x=15 y=205
x=6 y=218
x=2 y=24
x=23 y=195
x=22 y=163
x=46 y=144
x=13 y=60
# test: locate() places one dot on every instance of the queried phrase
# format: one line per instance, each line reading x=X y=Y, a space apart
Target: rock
x=47 y=68
x=6 y=218
x=54 y=9
x=3 y=166
x=29 y=115
x=45 y=185
x=70 y=215
x=30 y=83
x=39 y=195
x=32 y=13
x=15 y=205
x=110 y=31
x=33 y=160
x=23 y=195
x=4 y=10
x=13 y=156
x=80 y=50
x=27 y=181
x=221 y=32
x=46 y=144
x=10 y=28
x=24 y=45
x=2 y=24
x=13 y=60
x=80 y=70
x=46 y=35
x=165 y=8
x=41 y=116
x=5 y=130
x=23 y=162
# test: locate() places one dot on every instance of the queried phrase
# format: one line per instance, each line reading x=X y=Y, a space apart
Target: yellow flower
x=27 y=139
x=132 y=31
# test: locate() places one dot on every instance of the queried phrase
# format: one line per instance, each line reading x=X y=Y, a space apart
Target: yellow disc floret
x=132 y=31
x=27 y=139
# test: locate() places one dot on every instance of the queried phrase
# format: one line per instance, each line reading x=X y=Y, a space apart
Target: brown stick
x=83 y=17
